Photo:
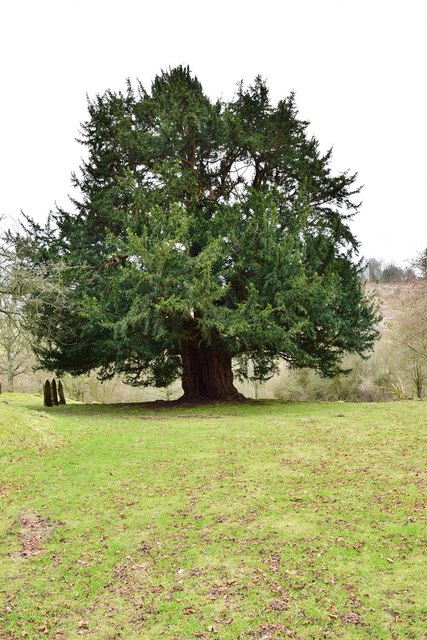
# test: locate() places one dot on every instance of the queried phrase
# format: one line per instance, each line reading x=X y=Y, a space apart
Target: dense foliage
x=205 y=232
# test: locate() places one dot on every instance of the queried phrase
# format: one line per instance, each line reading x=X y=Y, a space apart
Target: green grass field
x=250 y=521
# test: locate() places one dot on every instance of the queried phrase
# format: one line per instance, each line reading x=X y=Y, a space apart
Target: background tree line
x=382 y=272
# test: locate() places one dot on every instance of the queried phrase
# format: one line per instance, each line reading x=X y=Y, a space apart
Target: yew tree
x=208 y=237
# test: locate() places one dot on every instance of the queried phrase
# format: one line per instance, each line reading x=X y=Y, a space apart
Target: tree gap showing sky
x=357 y=69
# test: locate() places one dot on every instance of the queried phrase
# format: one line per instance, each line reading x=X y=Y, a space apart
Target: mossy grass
x=243 y=521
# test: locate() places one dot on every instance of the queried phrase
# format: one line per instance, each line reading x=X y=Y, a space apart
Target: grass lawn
x=252 y=521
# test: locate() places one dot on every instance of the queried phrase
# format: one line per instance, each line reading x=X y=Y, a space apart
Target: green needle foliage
x=206 y=232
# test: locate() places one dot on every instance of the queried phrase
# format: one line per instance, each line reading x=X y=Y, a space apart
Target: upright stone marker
x=61 y=393
x=54 y=393
x=47 y=394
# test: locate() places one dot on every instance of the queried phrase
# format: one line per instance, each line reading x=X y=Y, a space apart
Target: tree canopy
x=207 y=233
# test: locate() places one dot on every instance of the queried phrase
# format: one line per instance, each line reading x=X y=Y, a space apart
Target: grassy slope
x=249 y=522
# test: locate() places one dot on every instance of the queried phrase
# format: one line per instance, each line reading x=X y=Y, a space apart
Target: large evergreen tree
x=206 y=233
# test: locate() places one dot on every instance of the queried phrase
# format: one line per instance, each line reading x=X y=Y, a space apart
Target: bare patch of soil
x=34 y=530
x=5 y=489
x=170 y=404
x=188 y=416
x=273 y=631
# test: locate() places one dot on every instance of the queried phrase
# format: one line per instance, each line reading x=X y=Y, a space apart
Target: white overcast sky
x=358 y=68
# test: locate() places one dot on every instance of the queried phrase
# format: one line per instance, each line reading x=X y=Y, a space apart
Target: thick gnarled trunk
x=206 y=372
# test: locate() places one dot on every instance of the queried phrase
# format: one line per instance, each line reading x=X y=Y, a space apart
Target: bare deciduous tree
x=412 y=334
x=420 y=264
x=15 y=352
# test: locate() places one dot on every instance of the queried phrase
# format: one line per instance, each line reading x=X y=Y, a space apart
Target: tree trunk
x=206 y=372
x=10 y=378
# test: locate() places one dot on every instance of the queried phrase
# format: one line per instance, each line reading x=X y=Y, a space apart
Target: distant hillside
x=392 y=298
